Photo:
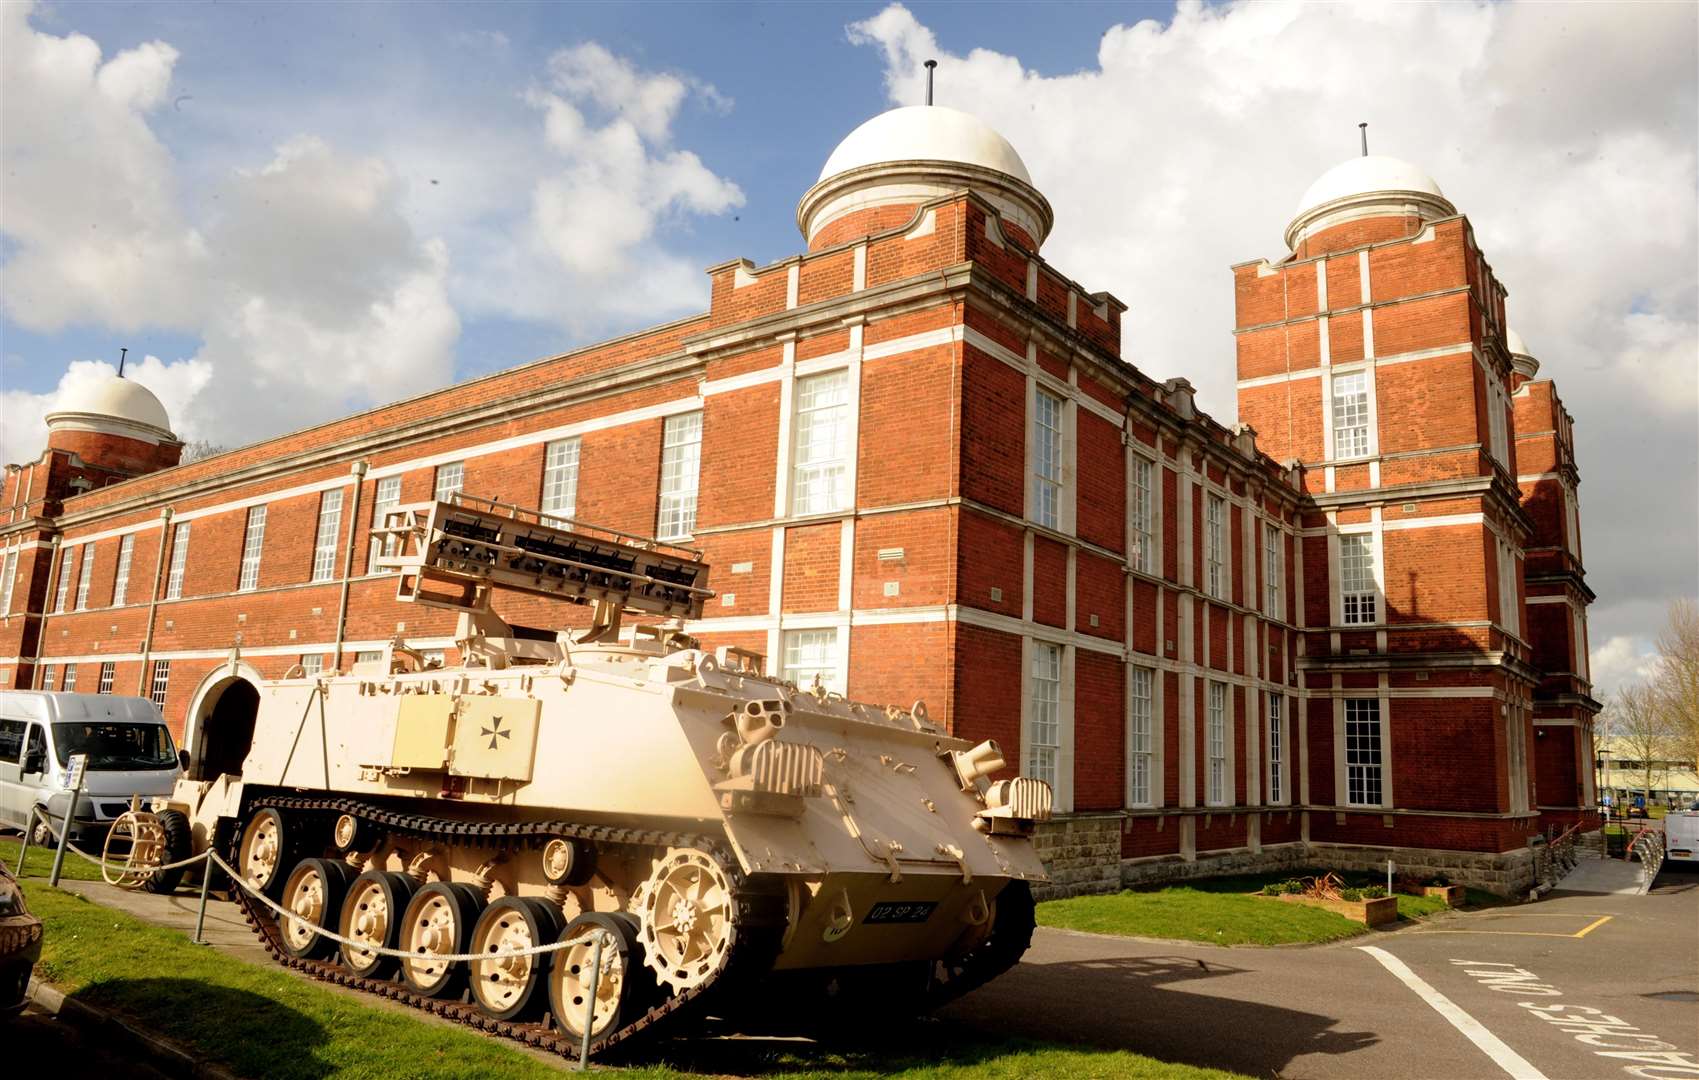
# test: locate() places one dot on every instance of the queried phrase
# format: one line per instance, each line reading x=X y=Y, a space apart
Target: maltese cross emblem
x=495 y=733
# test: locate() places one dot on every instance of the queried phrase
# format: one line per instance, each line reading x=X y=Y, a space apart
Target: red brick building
x=920 y=467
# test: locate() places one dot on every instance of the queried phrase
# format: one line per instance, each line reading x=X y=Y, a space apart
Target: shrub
x=1350 y=894
x=1374 y=892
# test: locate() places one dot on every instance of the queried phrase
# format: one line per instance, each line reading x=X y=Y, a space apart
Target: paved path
x=1609 y=876
x=1339 y=1011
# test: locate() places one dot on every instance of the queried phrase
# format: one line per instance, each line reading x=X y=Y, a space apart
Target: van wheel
x=41 y=833
x=177 y=848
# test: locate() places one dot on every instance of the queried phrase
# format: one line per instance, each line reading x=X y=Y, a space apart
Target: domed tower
x=1364 y=200
x=1523 y=366
x=901 y=158
x=114 y=426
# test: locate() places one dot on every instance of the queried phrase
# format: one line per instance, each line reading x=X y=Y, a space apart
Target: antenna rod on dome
x=1363 y=129
x=122 y=352
x=930 y=66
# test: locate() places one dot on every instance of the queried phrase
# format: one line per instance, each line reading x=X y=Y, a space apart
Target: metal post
x=1389 y=877
x=78 y=764
x=200 y=917
x=590 y=1002
x=29 y=828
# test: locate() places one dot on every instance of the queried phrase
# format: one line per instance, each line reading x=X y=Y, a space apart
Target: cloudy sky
x=290 y=212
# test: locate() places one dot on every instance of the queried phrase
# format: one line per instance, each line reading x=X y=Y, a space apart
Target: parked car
x=20 y=943
x=129 y=750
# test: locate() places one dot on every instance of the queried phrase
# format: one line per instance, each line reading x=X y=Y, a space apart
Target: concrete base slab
x=1604 y=877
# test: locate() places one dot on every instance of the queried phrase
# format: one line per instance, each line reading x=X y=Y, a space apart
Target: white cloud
x=310 y=291
x=1565 y=132
x=1621 y=660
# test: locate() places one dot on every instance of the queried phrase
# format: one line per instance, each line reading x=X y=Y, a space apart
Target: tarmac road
x=1338 y=1012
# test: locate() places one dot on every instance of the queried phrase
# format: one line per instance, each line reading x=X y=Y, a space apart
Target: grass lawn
x=1223 y=911
x=262 y=1021
x=41 y=861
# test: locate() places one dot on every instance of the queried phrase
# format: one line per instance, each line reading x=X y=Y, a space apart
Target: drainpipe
x=153 y=598
x=359 y=471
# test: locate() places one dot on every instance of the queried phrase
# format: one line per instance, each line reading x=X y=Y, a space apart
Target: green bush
x=1374 y=892
x=1350 y=894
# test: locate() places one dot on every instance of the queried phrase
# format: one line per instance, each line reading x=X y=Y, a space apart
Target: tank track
x=1011 y=934
x=760 y=927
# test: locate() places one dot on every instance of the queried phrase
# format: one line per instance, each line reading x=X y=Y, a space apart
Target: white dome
x=1367 y=175
x=1521 y=360
x=114 y=398
x=926 y=133
x=1513 y=342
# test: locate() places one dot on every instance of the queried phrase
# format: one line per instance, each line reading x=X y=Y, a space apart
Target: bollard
x=1389 y=877
x=590 y=1002
x=78 y=764
x=200 y=917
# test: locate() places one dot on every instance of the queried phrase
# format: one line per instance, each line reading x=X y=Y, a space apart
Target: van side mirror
x=183 y=760
x=34 y=761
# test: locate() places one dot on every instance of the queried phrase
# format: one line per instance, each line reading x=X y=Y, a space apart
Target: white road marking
x=1489 y=1044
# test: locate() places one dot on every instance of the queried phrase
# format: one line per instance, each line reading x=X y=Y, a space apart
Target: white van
x=1681 y=836
x=129 y=750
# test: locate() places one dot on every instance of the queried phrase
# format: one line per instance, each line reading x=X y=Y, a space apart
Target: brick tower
x=1374 y=357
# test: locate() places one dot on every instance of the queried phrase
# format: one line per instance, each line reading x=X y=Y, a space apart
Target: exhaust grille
x=787 y=768
x=1029 y=798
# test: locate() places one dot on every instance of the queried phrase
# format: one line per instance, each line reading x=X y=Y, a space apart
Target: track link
x=759 y=929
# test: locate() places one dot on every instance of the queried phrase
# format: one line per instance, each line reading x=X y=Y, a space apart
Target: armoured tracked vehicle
x=719 y=827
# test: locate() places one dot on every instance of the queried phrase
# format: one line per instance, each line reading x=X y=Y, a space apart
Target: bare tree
x=1640 y=734
x=1678 y=678
x=200 y=448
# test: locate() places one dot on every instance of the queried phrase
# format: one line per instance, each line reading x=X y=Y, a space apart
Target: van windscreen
x=115 y=747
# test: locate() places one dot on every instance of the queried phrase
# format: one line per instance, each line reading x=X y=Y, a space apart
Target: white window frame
x=326 y=537
x=85 y=578
x=1141 y=737
x=108 y=673
x=67 y=567
x=1277 y=780
x=1041 y=749
x=121 y=576
x=68 y=679
x=1509 y=615
x=450 y=478
x=1358 y=606
x=1049 y=442
x=386 y=495
x=1141 y=509
x=161 y=685
x=1217 y=579
x=1274 y=571
x=253 y=545
x=312 y=664
x=1217 y=768
x=560 y=479
x=8 y=579
x=820 y=466
x=1353 y=432
x=1365 y=764
x=47 y=676
x=179 y=561
x=681 y=469
x=805 y=653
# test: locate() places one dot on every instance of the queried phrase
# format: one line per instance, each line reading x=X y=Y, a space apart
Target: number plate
x=900 y=911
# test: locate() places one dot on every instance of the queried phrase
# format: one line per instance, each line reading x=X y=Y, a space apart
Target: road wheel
x=262 y=858
x=313 y=894
x=371 y=915
x=624 y=989
x=510 y=987
x=439 y=922
x=178 y=843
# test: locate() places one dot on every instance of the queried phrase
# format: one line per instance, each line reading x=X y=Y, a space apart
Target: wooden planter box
x=1453 y=895
x=1368 y=912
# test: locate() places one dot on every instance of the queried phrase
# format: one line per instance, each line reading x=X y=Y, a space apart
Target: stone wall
x=1082 y=853
x=1509 y=873
x=1153 y=871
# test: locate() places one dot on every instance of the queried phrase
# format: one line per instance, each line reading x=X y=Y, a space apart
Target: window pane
x=1215 y=732
x=450 y=479
x=1351 y=415
x=1215 y=545
x=107 y=670
x=86 y=579
x=809 y=654
x=179 y=562
x=681 y=459
x=121 y=581
x=324 y=543
x=70 y=678
x=1362 y=752
x=161 y=682
x=1276 y=751
x=1274 y=572
x=67 y=566
x=1143 y=519
x=1139 y=738
x=1357 y=589
x=384 y=499
x=820 y=481
x=560 y=479
x=8 y=579
x=1047 y=459
x=253 y=542
x=1044 y=713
